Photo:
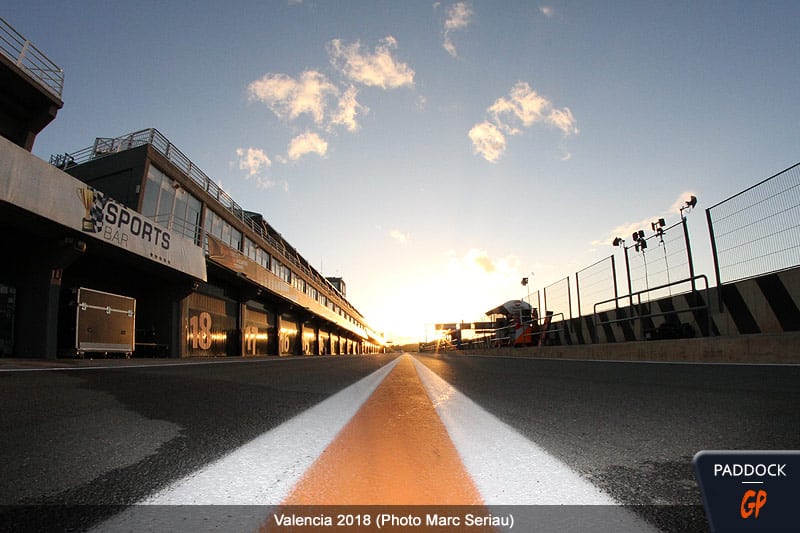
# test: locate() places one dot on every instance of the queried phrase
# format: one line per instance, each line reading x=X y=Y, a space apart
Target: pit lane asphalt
x=115 y=432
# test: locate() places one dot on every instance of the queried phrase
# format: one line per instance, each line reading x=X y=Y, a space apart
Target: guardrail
x=29 y=58
x=641 y=310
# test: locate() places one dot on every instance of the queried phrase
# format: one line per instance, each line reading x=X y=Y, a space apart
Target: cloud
x=307 y=143
x=529 y=107
x=488 y=141
x=289 y=98
x=327 y=102
x=563 y=120
x=476 y=266
x=481 y=260
x=522 y=108
x=376 y=69
x=348 y=108
x=626 y=229
x=459 y=16
x=252 y=160
x=399 y=236
x=547 y=11
x=264 y=183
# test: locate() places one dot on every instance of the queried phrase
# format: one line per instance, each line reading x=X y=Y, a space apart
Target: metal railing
x=29 y=58
x=641 y=310
x=665 y=258
x=543 y=328
x=104 y=146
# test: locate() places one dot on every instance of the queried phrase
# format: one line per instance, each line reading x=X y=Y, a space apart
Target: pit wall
x=755 y=320
x=768 y=304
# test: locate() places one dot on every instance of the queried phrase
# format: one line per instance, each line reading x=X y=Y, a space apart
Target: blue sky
x=433 y=153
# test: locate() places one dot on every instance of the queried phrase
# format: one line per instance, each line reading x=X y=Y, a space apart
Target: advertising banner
x=36 y=186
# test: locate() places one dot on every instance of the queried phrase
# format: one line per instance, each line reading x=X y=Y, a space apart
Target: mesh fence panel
x=758 y=230
x=557 y=300
x=596 y=283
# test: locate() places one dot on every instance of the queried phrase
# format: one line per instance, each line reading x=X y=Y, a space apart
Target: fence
x=595 y=283
x=757 y=231
x=753 y=233
x=27 y=57
x=663 y=259
x=557 y=299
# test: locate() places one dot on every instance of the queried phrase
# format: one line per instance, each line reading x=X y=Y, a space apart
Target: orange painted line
x=394 y=451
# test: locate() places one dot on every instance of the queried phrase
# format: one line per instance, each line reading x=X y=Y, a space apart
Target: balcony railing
x=29 y=58
x=106 y=146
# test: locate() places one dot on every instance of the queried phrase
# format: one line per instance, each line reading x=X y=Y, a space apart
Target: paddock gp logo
x=116 y=223
x=749 y=490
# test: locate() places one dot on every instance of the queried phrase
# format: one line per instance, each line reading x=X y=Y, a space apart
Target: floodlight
x=660 y=223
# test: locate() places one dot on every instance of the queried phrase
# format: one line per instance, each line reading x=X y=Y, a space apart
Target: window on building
x=223 y=231
x=166 y=203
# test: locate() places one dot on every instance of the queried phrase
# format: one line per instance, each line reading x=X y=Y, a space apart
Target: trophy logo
x=93 y=202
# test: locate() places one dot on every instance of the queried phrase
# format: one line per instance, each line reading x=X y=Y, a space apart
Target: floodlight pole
x=621 y=242
x=689 y=205
x=688 y=250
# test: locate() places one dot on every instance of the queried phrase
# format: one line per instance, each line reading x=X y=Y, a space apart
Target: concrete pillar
x=36 y=324
x=38 y=297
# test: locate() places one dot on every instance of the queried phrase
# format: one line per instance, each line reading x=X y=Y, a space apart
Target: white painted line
x=263 y=471
x=507 y=468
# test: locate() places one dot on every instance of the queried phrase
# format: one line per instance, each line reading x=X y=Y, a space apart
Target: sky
x=434 y=153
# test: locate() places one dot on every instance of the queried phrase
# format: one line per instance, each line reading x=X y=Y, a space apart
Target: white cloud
x=547 y=11
x=328 y=103
x=399 y=236
x=563 y=120
x=349 y=107
x=482 y=260
x=289 y=98
x=523 y=108
x=376 y=69
x=476 y=264
x=626 y=229
x=488 y=141
x=264 y=183
x=307 y=143
x=529 y=107
x=459 y=16
x=252 y=160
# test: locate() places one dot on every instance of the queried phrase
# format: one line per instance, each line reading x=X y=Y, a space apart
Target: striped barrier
x=767 y=304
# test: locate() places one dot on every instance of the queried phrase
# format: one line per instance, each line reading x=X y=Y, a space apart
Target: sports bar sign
x=36 y=186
